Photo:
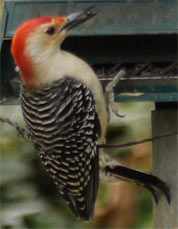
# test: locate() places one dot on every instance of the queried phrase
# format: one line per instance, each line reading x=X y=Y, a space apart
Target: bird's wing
x=66 y=128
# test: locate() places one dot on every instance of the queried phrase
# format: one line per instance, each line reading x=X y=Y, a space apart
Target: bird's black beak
x=78 y=18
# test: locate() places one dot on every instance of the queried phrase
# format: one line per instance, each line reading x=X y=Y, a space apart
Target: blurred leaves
x=29 y=199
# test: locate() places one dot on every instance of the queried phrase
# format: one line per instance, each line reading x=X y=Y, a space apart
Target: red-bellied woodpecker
x=65 y=113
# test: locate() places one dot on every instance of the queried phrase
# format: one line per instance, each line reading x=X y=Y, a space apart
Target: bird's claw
x=110 y=92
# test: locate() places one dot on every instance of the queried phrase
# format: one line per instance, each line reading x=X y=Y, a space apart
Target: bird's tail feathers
x=150 y=182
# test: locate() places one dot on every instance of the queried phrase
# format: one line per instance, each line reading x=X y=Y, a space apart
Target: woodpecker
x=63 y=106
x=65 y=112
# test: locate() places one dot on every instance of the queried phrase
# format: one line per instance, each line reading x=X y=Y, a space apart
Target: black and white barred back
x=65 y=128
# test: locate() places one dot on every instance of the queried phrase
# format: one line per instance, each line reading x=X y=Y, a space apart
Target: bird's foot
x=110 y=92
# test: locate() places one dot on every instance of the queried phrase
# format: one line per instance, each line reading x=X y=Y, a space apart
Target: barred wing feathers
x=65 y=128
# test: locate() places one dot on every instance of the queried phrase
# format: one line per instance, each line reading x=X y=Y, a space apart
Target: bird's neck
x=42 y=71
x=51 y=65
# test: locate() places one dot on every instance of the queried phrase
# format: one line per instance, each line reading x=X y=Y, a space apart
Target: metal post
x=165 y=162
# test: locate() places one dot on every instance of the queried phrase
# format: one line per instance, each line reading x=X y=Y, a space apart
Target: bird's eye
x=51 y=30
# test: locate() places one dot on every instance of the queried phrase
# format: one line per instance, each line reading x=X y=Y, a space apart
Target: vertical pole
x=165 y=162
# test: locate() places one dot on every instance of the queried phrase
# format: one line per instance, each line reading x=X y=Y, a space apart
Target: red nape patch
x=19 y=44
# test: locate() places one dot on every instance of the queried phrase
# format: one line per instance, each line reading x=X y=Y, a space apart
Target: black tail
x=150 y=182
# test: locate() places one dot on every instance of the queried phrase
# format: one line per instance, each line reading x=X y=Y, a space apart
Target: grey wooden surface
x=165 y=166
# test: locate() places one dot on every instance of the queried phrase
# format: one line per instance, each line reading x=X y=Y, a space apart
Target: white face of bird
x=48 y=36
x=37 y=42
x=51 y=35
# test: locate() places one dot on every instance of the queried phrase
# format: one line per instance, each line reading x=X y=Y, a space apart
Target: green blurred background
x=29 y=199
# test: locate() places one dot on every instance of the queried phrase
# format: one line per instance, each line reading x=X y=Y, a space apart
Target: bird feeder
x=140 y=36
